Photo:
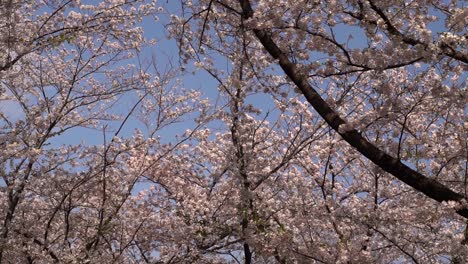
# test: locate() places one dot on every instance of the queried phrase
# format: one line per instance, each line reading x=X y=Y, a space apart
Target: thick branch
x=428 y=186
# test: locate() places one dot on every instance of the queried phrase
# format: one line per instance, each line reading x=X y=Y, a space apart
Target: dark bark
x=431 y=188
x=247 y=254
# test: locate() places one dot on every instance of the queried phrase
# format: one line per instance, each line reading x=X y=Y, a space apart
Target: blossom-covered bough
x=430 y=187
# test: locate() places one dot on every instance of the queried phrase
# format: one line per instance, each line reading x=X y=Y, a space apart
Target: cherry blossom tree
x=337 y=133
x=395 y=101
x=68 y=68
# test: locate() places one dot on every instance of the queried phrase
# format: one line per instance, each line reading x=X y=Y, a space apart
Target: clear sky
x=166 y=53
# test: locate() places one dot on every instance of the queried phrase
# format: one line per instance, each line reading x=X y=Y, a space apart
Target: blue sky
x=166 y=52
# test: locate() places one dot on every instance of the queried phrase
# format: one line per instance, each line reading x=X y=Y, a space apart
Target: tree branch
x=427 y=186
